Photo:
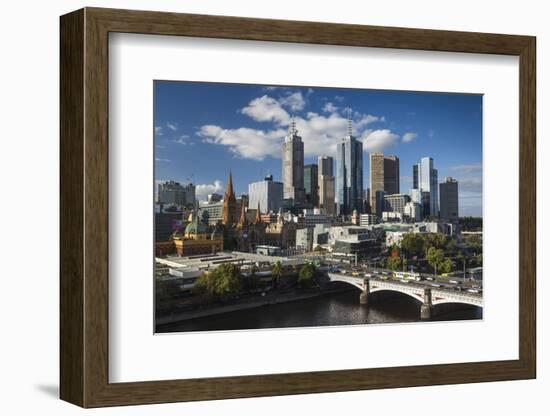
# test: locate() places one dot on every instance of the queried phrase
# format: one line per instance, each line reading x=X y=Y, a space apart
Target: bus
x=408 y=276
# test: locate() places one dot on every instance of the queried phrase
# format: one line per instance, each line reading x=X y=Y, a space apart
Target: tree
x=435 y=257
x=219 y=284
x=475 y=243
x=435 y=240
x=412 y=244
x=165 y=293
x=471 y=223
x=306 y=274
x=276 y=272
x=393 y=263
x=446 y=266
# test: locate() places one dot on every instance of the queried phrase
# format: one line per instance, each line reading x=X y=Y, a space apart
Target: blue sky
x=204 y=129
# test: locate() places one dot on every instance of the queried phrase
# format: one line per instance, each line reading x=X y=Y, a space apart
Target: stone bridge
x=426 y=295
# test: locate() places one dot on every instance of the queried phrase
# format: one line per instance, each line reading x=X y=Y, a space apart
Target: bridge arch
x=416 y=295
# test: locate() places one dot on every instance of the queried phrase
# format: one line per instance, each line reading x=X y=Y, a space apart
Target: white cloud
x=183 y=139
x=158 y=159
x=295 y=102
x=320 y=133
x=172 y=126
x=245 y=142
x=202 y=190
x=266 y=108
x=409 y=137
x=158 y=131
x=330 y=108
x=379 y=140
x=310 y=91
x=339 y=98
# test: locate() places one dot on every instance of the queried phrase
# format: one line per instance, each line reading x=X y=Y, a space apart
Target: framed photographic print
x=257 y=207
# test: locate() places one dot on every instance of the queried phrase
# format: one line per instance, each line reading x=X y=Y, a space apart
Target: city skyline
x=243 y=127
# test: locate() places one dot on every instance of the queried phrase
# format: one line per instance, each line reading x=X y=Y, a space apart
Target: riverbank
x=269 y=299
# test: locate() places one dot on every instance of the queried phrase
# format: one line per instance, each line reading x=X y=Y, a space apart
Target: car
x=404 y=281
x=429 y=278
x=454 y=282
x=435 y=285
x=473 y=290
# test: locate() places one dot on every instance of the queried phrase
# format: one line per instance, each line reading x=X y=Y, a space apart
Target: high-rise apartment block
x=326 y=184
x=448 y=198
x=396 y=202
x=266 y=194
x=171 y=192
x=311 y=184
x=383 y=179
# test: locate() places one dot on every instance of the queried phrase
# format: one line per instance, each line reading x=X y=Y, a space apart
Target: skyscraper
x=311 y=184
x=415 y=176
x=448 y=198
x=326 y=184
x=268 y=194
x=391 y=175
x=293 y=166
x=349 y=173
x=383 y=178
x=170 y=192
x=427 y=182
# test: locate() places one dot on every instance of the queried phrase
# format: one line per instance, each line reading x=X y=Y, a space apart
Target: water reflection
x=334 y=309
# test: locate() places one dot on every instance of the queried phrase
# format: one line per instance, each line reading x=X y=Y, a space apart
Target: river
x=333 y=309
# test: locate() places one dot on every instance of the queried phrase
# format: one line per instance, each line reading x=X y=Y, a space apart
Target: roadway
x=428 y=280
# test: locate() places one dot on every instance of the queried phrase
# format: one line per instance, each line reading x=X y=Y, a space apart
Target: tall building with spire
x=293 y=166
x=349 y=173
x=229 y=214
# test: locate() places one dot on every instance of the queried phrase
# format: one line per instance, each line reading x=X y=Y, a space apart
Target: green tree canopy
x=412 y=244
x=306 y=275
x=474 y=242
x=276 y=272
x=393 y=263
x=221 y=283
x=435 y=257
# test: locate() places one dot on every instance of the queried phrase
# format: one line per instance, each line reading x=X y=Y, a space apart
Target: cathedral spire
x=243 y=222
x=229 y=189
x=229 y=214
x=258 y=218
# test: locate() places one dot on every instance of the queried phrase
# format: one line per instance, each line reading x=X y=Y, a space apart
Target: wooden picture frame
x=84 y=207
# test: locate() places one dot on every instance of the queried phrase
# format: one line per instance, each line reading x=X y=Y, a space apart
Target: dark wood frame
x=84 y=209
